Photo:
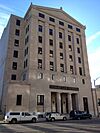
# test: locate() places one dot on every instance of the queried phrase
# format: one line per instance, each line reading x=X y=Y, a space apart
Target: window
x=18 y=22
x=80 y=70
x=70 y=26
x=15 y=54
x=98 y=101
x=52 y=76
x=40 y=28
x=19 y=100
x=77 y=29
x=26 y=62
x=77 y=40
x=14 y=66
x=50 y=31
x=51 y=53
x=78 y=50
x=70 y=47
x=40 y=99
x=16 y=43
x=51 y=19
x=51 y=42
x=41 y=15
x=69 y=38
x=70 y=57
x=60 y=35
x=51 y=66
x=26 y=40
x=83 y=81
x=61 y=55
x=40 y=76
x=27 y=29
x=79 y=60
x=62 y=67
x=13 y=77
x=39 y=63
x=61 y=23
x=71 y=69
x=17 y=32
x=61 y=45
x=39 y=50
x=24 y=76
x=40 y=39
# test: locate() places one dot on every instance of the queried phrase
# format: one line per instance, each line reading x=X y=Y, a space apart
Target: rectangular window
x=40 y=99
x=77 y=40
x=83 y=81
x=61 y=55
x=70 y=57
x=51 y=19
x=69 y=38
x=79 y=60
x=27 y=29
x=40 y=76
x=70 y=47
x=62 y=67
x=77 y=29
x=60 y=34
x=80 y=70
x=51 y=66
x=61 y=45
x=39 y=63
x=61 y=23
x=51 y=53
x=50 y=31
x=19 y=100
x=40 y=28
x=98 y=101
x=17 y=32
x=26 y=40
x=78 y=50
x=71 y=69
x=18 y=22
x=39 y=50
x=16 y=43
x=41 y=15
x=14 y=66
x=40 y=39
x=15 y=54
x=51 y=42
x=70 y=26
x=13 y=77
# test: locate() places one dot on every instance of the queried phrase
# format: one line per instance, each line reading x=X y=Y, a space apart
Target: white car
x=14 y=117
x=52 y=116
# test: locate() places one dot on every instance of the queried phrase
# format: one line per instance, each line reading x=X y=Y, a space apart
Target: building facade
x=45 y=67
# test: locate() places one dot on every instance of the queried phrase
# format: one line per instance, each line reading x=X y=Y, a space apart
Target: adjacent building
x=44 y=63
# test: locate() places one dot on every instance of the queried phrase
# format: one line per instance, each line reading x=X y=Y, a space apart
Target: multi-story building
x=44 y=65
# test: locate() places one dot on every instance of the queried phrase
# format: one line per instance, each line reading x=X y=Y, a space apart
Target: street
x=69 y=126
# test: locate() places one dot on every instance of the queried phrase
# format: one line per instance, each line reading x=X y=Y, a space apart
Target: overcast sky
x=86 y=12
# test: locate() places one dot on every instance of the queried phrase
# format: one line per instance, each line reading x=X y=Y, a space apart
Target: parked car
x=40 y=115
x=52 y=116
x=76 y=114
x=14 y=117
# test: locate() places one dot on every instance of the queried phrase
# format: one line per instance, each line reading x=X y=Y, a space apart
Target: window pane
x=19 y=100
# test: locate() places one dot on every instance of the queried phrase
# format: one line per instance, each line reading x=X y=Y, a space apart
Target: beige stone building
x=44 y=65
x=96 y=100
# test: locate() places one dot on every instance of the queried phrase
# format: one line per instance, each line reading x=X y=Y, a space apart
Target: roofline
x=55 y=9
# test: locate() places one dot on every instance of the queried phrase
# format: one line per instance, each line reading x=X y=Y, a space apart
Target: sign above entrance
x=63 y=88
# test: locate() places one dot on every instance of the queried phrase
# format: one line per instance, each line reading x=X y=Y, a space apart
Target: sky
x=86 y=12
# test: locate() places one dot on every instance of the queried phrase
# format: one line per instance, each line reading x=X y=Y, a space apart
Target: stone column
x=69 y=102
x=58 y=102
